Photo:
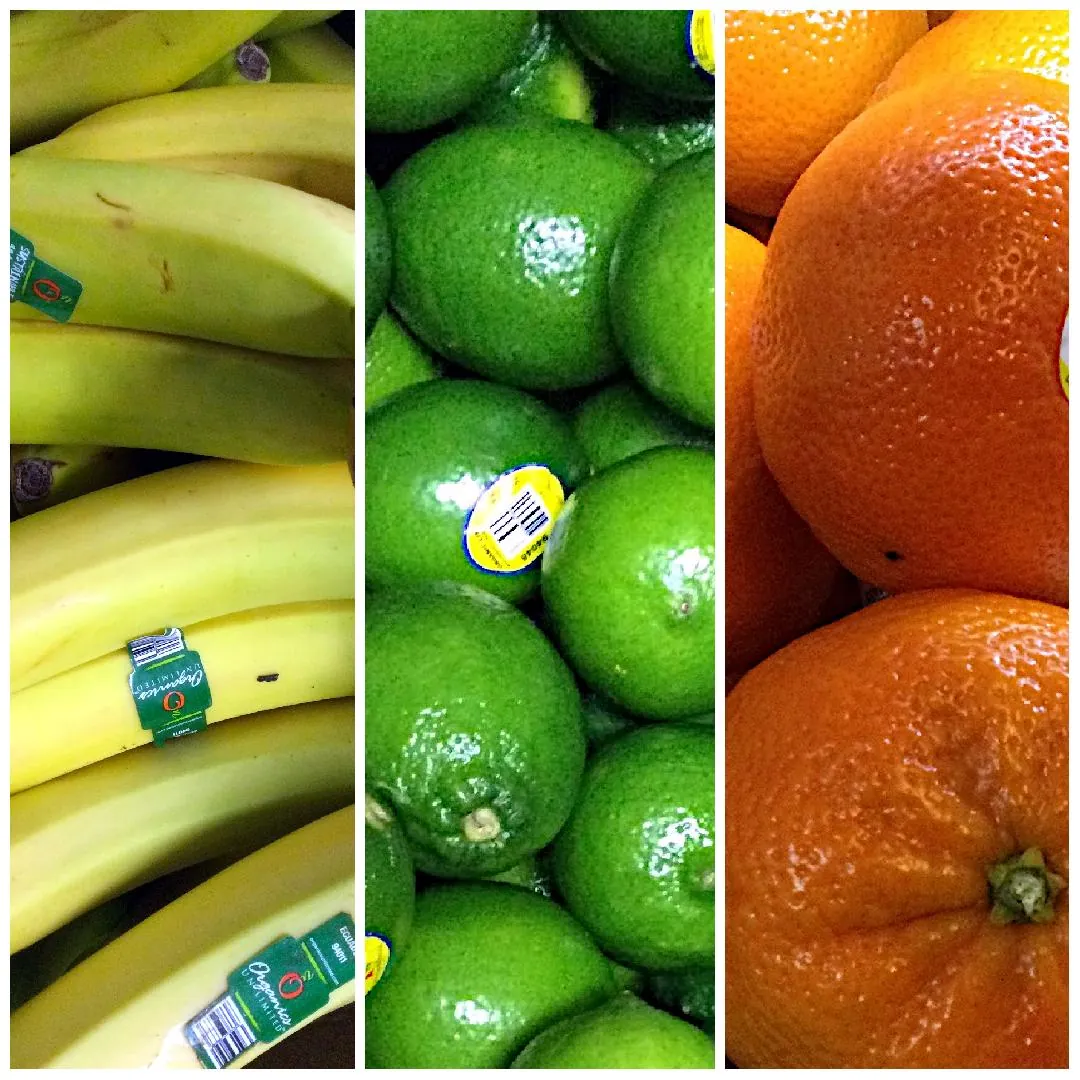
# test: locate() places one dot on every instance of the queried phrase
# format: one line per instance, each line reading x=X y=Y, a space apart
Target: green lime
x=431 y=451
x=389 y=888
x=376 y=256
x=488 y=967
x=663 y=290
x=662 y=132
x=621 y=421
x=529 y=874
x=635 y=862
x=421 y=67
x=690 y=994
x=503 y=237
x=393 y=359
x=623 y=1033
x=473 y=728
x=628 y=580
x=648 y=49
x=627 y=978
x=547 y=80
x=603 y=722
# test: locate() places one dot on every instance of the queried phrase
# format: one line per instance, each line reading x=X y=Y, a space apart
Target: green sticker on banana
x=38 y=284
x=278 y=988
x=168 y=685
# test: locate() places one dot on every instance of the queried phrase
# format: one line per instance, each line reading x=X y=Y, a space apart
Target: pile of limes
x=539 y=540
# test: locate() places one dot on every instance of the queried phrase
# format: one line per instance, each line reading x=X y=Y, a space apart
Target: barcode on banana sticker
x=220 y=1034
x=508 y=527
x=156 y=647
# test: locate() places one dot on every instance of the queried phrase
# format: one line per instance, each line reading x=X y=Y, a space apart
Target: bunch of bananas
x=182 y=343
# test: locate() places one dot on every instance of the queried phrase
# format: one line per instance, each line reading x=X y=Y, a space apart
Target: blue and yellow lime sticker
x=509 y=525
x=376 y=957
x=699 y=42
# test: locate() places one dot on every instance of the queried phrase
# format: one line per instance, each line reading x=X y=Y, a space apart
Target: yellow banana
x=255 y=660
x=92 y=384
x=65 y=69
x=316 y=55
x=44 y=475
x=125 y=1007
x=83 y=838
x=299 y=134
x=208 y=255
x=289 y=21
x=174 y=548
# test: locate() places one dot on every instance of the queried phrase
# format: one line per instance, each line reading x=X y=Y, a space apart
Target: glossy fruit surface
x=663 y=289
x=503 y=236
x=628 y=580
x=389 y=882
x=473 y=729
x=878 y=770
x=623 y=1033
x=981 y=41
x=647 y=49
x=376 y=256
x=792 y=80
x=488 y=967
x=431 y=450
x=777 y=576
x=622 y=420
x=635 y=862
x=421 y=67
x=393 y=359
x=907 y=389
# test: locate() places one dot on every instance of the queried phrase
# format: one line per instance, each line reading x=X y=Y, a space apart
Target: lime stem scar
x=482 y=824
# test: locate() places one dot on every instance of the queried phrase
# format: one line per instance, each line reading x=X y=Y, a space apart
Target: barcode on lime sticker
x=219 y=1034
x=508 y=527
x=513 y=531
x=156 y=647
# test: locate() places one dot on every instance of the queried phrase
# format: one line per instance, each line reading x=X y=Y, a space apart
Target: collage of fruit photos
x=504 y=539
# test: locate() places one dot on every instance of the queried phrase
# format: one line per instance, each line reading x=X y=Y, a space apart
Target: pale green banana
x=83 y=838
x=128 y=388
x=60 y=75
x=290 y=21
x=299 y=134
x=125 y=1006
x=316 y=54
x=223 y=257
x=255 y=660
x=172 y=549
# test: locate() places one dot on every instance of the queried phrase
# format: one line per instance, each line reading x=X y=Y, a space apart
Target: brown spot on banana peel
x=166 y=277
x=109 y=202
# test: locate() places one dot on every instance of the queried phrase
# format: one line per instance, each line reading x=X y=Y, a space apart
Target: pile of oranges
x=896 y=644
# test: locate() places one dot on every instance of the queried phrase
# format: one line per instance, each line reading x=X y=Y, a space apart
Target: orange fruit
x=1033 y=41
x=792 y=80
x=906 y=344
x=777 y=576
x=879 y=771
x=936 y=18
